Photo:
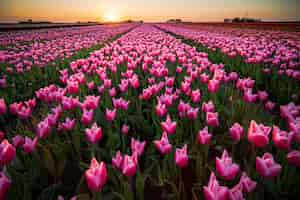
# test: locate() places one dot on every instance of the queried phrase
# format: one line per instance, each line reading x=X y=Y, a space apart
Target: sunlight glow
x=111 y=16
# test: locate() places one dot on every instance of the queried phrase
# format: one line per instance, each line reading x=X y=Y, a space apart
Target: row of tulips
x=248 y=85
x=281 y=49
x=22 y=57
x=281 y=88
x=19 y=86
x=144 y=91
x=13 y=38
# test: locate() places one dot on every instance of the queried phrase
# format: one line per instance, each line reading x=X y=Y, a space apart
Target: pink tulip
x=236 y=132
x=129 y=165
x=267 y=167
x=236 y=193
x=196 y=96
x=262 y=95
x=18 y=140
x=112 y=92
x=208 y=107
x=163 y=145
x=29 y=144
x=69 y=103
x=137 y=146
x=293 y=158
x=73 y=87
x=96 y=176
x=248 y=184
x=258 y=134
x=192 y=113
x=181 y=157
x=270 y=105
x=91 y=85
x=93 y=134
x=87 y=117
x=43 y=129
x=212 y=119
x=7 y=153
x=213 y=85
x=2 y=107
x=117 y=161
x=110 y=115
x=5 y=184
x=125 y=129
x=225 y=167
x=169 y=126
x=249 y=96
x=204 y=78
x=161 y=110
x=282 y=139
x=204 y=137
x=68 y=125
x=91 y=102
x=214 y=191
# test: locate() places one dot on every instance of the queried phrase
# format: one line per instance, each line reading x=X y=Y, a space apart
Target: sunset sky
x=147 y=10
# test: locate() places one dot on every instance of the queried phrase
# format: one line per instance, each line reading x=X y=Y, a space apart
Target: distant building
x=174 y=21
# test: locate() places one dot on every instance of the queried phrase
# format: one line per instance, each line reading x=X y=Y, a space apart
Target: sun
x=111 y=16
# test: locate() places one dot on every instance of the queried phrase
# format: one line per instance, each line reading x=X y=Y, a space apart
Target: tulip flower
x=225 y=167
x=262 y=95
x=43 y=129
x=169 y=126
x=18 y=140
x=212 y=119
x=282 y=139
x=129 y=165
x=91 y=102
x=96 y=176
x=125 y=129
x=248 y=184
x=293 y=158
x=214 y=191
x=236 y=193
x=258 y=134
x=249 y=96
x=110 y=115
x=208 y=107
x=93 y=134
x=117 y=161
x=192 y=113
x=68 y=124
x=7 y=153
x=236 y=132
x=204 y=136
x=29 y=144
x=87 y=117
x=270 y=105
x=73 y=87
x=137 y=146
x=160 y=110
x=5 y=184
x=181 y=157
x=266 y=166
x=213 y=85
x=196 y=96
x=163 y=145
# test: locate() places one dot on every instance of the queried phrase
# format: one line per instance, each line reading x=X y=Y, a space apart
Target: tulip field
x=149 y=111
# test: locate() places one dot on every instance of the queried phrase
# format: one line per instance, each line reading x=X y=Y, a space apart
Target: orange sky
x=153 y=10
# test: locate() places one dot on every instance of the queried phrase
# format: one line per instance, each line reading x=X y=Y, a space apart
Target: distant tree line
x=242 y=20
